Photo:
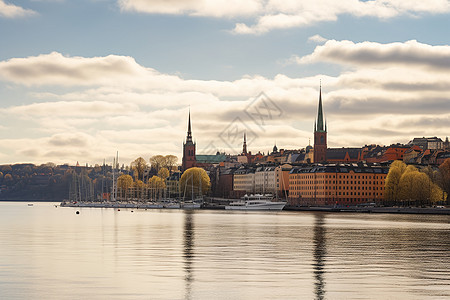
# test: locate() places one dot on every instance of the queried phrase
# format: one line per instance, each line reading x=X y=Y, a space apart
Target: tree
x=6 y=169
x=444 y=170
x=157 y=161
x=138 y=186
x=163 y=173
x=192 y=179
x=396 y=171
x=8 y=179
x=171 y=161
x=124 y=182
x=138 y=166
x=156 y=185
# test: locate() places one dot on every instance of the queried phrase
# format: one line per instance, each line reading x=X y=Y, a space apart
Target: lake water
x=54 y=253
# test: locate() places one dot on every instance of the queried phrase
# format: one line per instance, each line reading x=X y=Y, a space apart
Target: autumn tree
x=124 y=183
x=393 y=180
x=138 y=187
x=138 y=166
x=8 y=179
x=163 y=173
x=171 y=161
x=194 y=182
x=157 y=162
x=407 y=185
x=444 y=170
x=156 y=185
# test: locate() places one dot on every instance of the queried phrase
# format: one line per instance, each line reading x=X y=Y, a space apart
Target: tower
x=320 y=134
x=244 y=146
x=188 y=148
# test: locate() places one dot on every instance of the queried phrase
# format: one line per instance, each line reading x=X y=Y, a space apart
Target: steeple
x=189 y=133
x=244 y=146
x=320 y=134
x=320 y=122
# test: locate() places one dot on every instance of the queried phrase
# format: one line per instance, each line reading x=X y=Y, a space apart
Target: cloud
x=410 y=53
x=122 y=105
x=12 y=11
x=317 y=39
x=75 y=108
x=56 y=69
x=204 y=8
x=281 y=14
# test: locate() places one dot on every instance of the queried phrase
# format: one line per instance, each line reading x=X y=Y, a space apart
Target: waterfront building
x=244 y=180
x=337 y=184
x=173 y=185
x=282 y=180
x=265 y=180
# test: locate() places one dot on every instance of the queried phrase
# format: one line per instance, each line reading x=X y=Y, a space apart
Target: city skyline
x=84 y=80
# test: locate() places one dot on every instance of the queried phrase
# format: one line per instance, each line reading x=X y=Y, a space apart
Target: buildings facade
x=337 y=184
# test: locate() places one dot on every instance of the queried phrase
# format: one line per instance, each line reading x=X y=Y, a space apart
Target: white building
x=265 y=180
x=244 y=180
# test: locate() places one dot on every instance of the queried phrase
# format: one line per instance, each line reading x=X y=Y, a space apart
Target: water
x=53 y=253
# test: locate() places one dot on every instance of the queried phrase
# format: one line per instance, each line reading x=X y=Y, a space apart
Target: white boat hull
x=265 y=206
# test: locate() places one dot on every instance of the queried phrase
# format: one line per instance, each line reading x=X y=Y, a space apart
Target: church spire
x=244 y=146
x=189 y=133
x=320 y=123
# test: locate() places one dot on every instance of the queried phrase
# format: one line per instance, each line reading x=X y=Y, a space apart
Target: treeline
x=48 y=182
x=406 y=185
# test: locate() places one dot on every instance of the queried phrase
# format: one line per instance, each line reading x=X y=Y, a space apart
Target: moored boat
x=256 y=202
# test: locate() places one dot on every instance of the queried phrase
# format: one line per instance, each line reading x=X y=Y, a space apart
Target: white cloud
x=279 y=14
x=410 y=53
x=317 y=39
x=13 y=11
x=121 y=105
x=206 y=8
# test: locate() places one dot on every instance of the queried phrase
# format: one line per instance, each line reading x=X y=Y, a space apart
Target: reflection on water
x=53 y=253
x=188 y=249
x=319 y=255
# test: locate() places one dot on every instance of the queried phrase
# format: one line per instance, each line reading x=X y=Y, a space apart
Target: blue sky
x=82 y=79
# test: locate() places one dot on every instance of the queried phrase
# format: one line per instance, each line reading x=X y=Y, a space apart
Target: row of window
x=321 y=176
x=318 y=194
x=318 y=182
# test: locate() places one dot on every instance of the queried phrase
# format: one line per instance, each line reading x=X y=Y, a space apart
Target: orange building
x=384 y=154
x=341 y=184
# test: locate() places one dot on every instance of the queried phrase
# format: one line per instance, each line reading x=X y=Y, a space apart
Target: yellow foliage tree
x=138 y=166
x=391 y=191
x=157 y=186
x=138 y=186
x=191 y=181
x=444 y=170
x=124 y=183
x=157 y=162
x=163 y=173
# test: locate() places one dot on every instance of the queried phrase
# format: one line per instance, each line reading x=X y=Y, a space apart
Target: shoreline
x=217 y=206
x=379 y=210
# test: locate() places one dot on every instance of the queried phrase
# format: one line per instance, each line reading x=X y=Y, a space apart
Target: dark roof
x=342 y=168
x=212 y=159
x=339 y=153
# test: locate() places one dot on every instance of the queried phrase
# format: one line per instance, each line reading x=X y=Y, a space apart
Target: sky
x=81 y=80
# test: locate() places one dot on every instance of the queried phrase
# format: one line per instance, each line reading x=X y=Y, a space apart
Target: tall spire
x=244 y=146
x=189 y=133
x=320 y=126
